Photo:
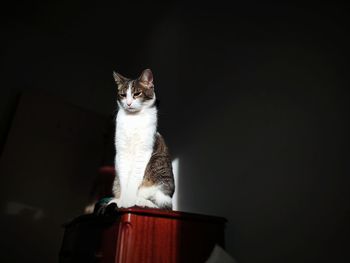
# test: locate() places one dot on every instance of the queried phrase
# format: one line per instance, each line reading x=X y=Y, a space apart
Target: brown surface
x=147 y=235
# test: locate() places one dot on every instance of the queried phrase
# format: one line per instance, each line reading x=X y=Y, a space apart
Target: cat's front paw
x=142 y=202
x=126 y=203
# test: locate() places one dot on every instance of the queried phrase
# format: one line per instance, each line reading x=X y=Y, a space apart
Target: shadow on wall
x=50 y=159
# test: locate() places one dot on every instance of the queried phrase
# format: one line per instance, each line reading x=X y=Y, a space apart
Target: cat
x=144 y=175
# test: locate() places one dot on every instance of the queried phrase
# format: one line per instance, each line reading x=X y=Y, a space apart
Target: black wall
x=254 y=103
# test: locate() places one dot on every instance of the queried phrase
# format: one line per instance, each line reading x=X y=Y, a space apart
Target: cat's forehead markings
x=129 y=85
x=133 y=86
x=128 y=91
x=123 y=86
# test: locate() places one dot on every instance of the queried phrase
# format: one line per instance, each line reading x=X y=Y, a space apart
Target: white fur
x=162 y=200
x=154 y=193
x=134 y=139
x=129 y=98
x=175 y=165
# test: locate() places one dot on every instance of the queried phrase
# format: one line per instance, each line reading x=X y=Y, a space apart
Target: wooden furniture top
x=150 y=212
x=169 y=214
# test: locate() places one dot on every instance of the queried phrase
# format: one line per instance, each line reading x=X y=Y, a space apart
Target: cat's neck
x=145 y=111
x=139 y=127
x=146 y=119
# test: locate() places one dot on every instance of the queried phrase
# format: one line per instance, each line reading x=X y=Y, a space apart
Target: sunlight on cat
x=175 y=164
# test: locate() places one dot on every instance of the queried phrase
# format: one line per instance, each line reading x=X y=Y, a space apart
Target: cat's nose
x=129 y=103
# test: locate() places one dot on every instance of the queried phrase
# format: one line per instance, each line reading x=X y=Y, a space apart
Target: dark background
x=254 y=104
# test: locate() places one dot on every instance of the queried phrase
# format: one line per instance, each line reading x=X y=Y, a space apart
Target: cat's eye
x=137 y=94
x=122 y=95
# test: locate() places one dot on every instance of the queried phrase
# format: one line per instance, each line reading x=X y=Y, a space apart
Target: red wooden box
x=138 y=235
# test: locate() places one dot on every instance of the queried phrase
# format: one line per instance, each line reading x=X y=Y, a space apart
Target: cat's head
x=135 y=94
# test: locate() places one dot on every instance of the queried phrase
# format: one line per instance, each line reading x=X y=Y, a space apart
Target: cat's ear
x=146 y=78
x=119 y=79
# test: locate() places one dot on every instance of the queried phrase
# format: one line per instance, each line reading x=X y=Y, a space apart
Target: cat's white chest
x=135 y=132
x=134 y=140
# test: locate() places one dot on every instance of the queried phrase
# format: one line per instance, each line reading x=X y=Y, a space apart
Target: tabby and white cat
x=144 y=175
